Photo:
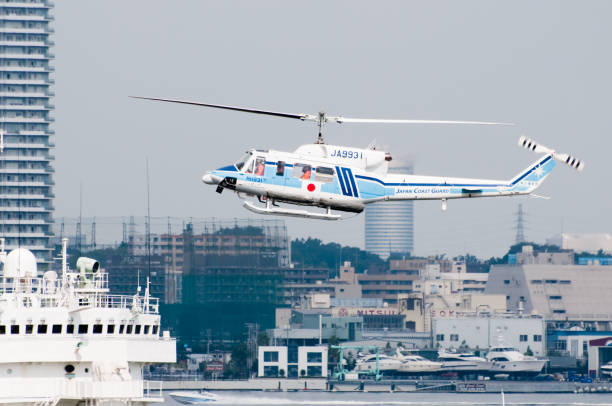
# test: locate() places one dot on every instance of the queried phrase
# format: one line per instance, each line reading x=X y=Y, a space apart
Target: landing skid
x=269 y=209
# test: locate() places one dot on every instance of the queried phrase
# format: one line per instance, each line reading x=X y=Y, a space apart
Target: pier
x=401 y=385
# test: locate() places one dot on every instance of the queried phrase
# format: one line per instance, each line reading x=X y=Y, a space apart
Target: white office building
x=26 y=209
x=389 y=226
x=484 y=331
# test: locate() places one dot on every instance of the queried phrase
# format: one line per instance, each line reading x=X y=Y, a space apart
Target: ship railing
x=153 y=389
x=79 y=388
x=136 y=302
x=9 y=284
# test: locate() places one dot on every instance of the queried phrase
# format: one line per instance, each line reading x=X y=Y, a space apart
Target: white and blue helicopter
x=346 y=179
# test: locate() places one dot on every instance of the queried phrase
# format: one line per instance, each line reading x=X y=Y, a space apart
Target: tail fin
x=532 y=177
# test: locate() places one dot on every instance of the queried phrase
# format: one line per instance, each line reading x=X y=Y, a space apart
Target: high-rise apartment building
x=26 y=208
x=389 y=226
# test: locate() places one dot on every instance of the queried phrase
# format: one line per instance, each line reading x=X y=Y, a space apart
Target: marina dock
x=404 y=385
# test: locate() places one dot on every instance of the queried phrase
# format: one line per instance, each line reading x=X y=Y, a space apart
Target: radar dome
x=20 y=262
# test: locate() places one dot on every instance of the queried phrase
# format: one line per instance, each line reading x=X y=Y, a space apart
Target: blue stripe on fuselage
x=527 y=173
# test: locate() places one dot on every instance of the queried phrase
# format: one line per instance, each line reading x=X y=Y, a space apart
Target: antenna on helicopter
x=321 y=118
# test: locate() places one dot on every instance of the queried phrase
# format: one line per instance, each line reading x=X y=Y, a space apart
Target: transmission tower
x=520 y=227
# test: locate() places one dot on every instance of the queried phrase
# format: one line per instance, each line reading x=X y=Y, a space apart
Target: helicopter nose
x=211 y=179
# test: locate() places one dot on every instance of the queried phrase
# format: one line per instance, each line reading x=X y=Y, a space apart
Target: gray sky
x=544 y=65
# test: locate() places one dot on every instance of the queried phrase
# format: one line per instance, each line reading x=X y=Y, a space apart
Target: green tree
x=263 y=339
x=312 y=252
x=388 y=348
x=333 y=352
x=529 y=352
x=237 y=367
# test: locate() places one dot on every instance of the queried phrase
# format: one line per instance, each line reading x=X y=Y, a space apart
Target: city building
x=600 y=353
x=293 y=362
x=528 y=256
x=478 y=331
x=243 y=242
x=591 y=242
x=310 y=326
x=453 y=283
x=573 y=342
x=26 y=208
x=389 y=226
x=127 y=275
x=566 y=295
x=387 y=285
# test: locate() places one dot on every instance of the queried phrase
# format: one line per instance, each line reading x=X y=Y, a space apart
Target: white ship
x=606 y=369
x=415 y=364
x=463 y=362
x=509 y=360
x=385 y=363
x=402 y=362
x=64 y=340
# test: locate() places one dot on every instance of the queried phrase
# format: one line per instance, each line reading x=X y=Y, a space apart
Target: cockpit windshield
x=243 y=160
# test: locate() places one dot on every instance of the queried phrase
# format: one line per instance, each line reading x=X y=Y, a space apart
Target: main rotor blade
x=394 y=121
x=220 y=106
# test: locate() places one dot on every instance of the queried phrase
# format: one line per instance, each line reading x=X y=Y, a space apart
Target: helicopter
x=346 y=179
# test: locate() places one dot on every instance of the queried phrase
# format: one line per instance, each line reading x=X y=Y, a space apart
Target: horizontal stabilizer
x=561 y=157
x=470 y=191
x=290 y=212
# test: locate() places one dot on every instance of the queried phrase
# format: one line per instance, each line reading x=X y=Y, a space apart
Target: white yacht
x=463 y=362
x=66 y=341
x=606 y=369
x=509 y=360
x=415 y=364
x=385 y=363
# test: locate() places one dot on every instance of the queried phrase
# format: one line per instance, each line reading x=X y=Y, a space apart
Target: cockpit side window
x=324 y=174
x=260 y=166
x=248 y=167
x=302 y=171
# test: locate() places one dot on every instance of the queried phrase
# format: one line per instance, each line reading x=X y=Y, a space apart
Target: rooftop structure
x=583 y=242
x=26 y=209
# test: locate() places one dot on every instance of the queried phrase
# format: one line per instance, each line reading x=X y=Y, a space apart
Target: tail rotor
x=531 y=145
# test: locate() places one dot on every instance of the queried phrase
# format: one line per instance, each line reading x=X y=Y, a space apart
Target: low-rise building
x=566 y=295
x=592 y=242
x=527 y=256
x=278 y=361
x=574 y=342
x=478 y=331
x=600 y=353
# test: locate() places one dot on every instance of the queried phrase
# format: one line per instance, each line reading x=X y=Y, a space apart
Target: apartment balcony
x=27 y=209
x=40 y=69
x=25 y=56
x=23 y=196
x=25 y=120
x=17 y=17
x=24 y=94
x=24 y=82
x=17 y=43
x=9 y=30
x=24 y=107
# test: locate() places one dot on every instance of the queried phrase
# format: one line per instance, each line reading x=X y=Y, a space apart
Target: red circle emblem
x=310 y=187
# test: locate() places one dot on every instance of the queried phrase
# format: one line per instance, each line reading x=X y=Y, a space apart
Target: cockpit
x=242 y=163
x=252 y=162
